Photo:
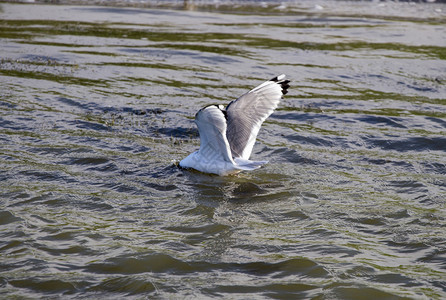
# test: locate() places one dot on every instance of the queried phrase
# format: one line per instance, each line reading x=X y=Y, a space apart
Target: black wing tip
x=283 y=82
x=285 y=86
x=279 y=78
x=219 y=106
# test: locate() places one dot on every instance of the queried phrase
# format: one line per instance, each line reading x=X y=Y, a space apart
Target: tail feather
x=248 y=165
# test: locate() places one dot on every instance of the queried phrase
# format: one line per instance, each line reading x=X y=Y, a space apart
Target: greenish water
x=96 y=110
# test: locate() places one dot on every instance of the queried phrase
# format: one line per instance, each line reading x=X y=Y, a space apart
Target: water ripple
x=97 y=107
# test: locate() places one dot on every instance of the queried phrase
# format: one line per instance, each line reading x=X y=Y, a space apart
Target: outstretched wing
x=211 y=123
x=246 y=114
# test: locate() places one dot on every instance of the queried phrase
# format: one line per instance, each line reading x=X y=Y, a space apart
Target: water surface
x=97 y=107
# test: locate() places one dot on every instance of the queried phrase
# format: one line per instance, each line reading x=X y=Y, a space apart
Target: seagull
x=227 y=135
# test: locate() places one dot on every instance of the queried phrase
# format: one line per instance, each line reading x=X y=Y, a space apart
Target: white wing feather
x=246 y=114
x=214 y=144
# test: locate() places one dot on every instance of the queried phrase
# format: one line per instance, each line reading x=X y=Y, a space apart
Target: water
x=97 y=107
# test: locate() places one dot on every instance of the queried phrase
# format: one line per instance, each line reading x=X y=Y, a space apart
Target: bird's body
x=227 y=135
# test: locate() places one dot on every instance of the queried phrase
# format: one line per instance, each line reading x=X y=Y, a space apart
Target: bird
x=228 y=134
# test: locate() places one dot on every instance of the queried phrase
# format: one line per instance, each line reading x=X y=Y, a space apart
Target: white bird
x=227 y=135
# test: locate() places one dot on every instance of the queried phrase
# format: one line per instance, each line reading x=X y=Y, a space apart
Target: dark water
x=97 y=107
